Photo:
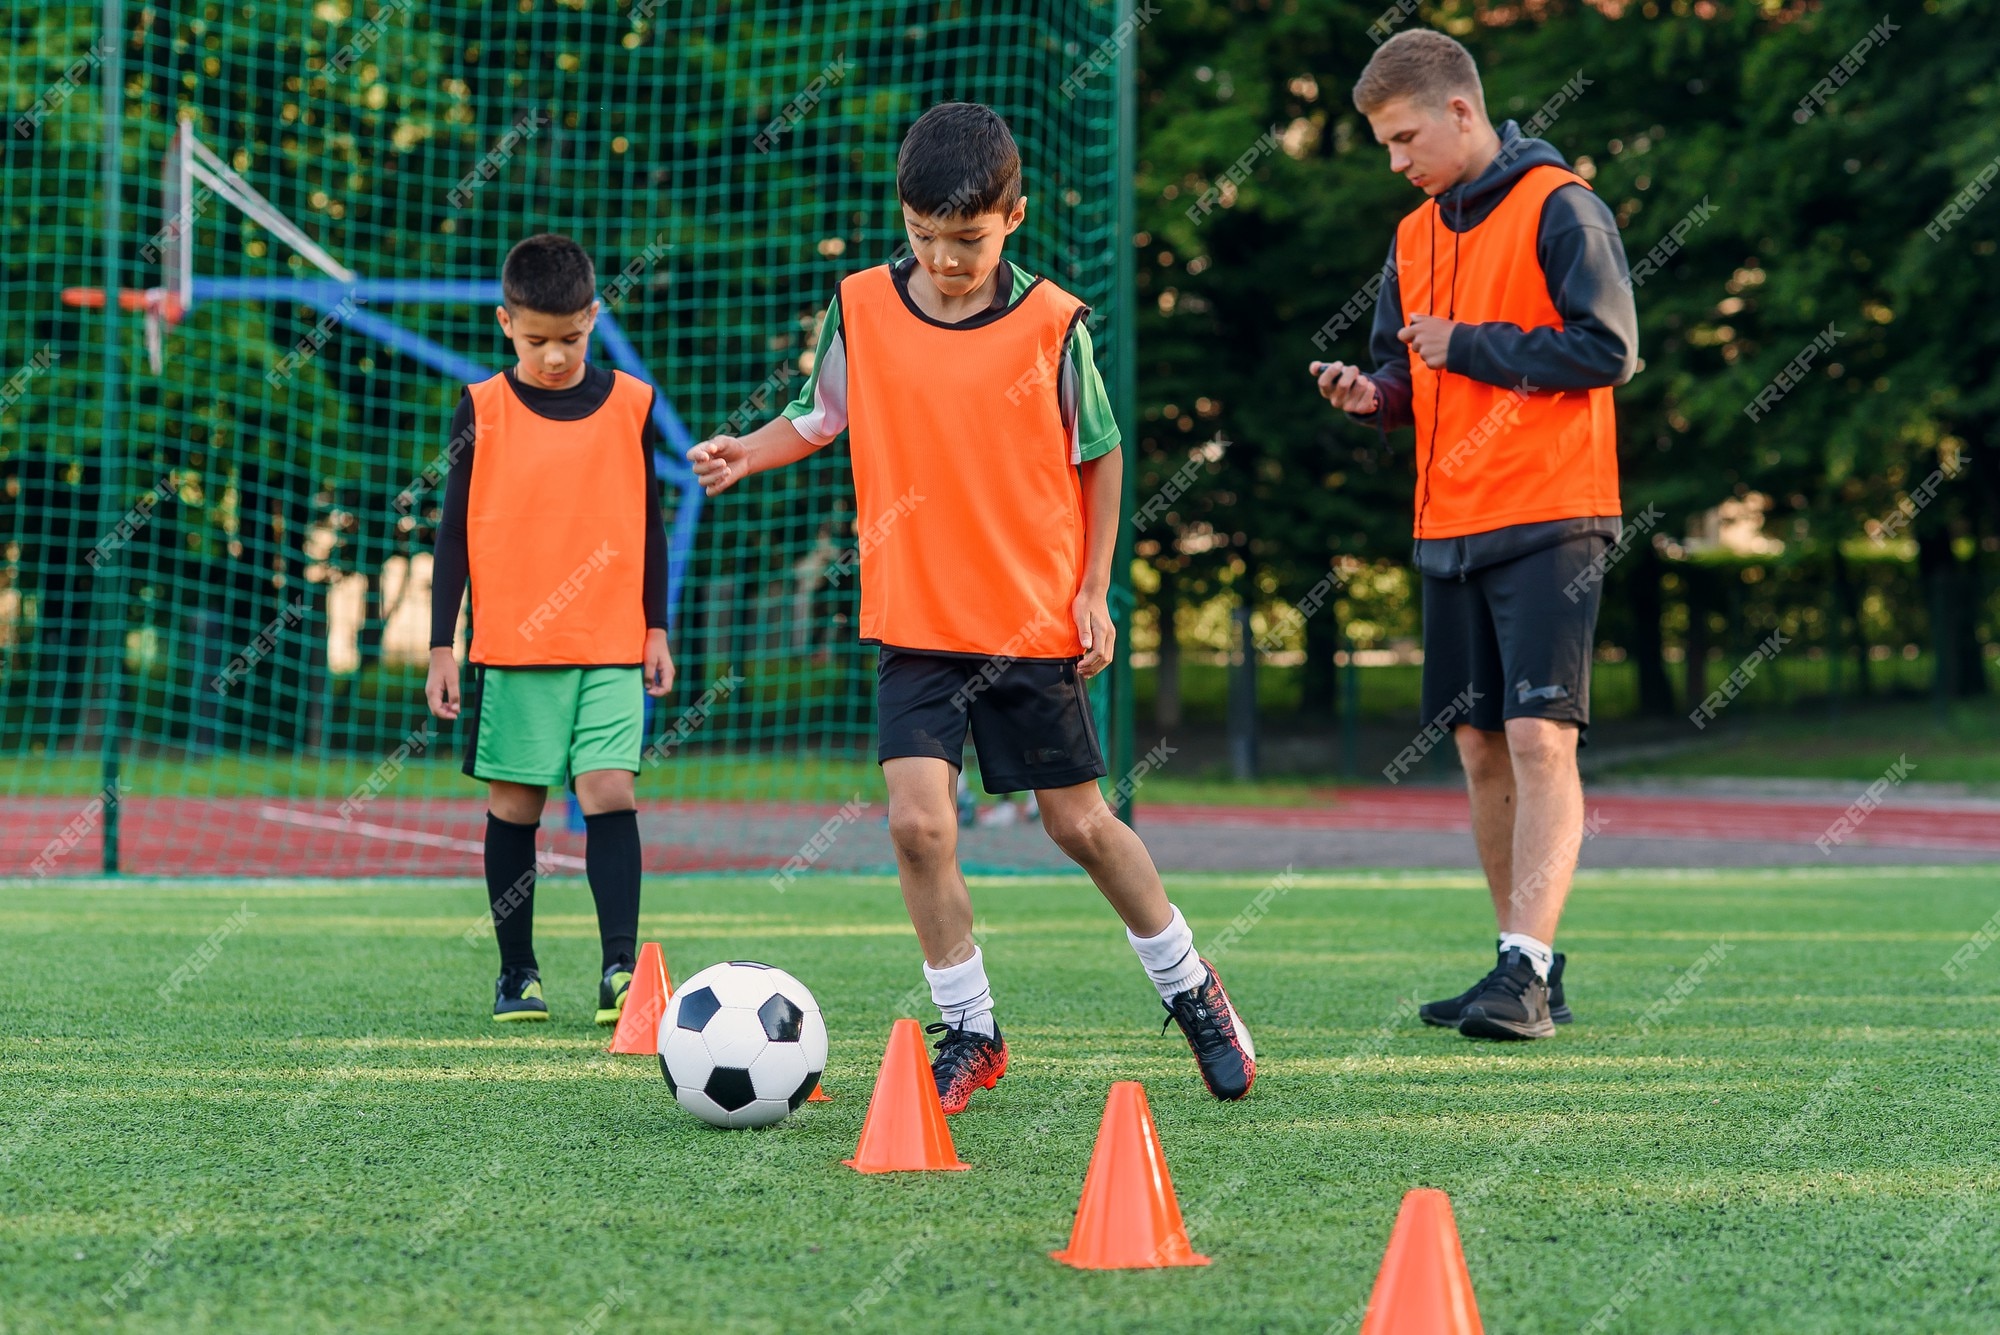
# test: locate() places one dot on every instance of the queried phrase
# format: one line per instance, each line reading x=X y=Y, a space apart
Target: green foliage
x=1811 y=222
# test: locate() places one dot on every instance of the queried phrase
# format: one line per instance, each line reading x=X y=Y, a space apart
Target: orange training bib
x=1490 y=455
x=556 y=531
x=969 y=512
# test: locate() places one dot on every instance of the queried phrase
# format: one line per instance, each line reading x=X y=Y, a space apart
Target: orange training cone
x=639 y=1023
x=1423 y=1288
x=1128 y=1218
x=819 y=1096
x=904 y=1131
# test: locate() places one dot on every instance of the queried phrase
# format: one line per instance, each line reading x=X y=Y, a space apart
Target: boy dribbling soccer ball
x=987 y=476
x=558 y=529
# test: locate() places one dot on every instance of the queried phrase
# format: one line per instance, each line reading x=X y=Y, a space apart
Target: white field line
x=395 y=834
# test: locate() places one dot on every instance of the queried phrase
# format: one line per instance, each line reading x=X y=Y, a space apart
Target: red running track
x=247 y=836
x=1965 y=827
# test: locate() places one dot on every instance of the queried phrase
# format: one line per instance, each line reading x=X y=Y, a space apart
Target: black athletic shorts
x=1030 y=718
x=1513 y=640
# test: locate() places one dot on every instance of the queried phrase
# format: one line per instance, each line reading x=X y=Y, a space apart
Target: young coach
x=1507 y=324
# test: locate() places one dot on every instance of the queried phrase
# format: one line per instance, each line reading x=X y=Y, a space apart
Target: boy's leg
x=520 y=722
x=1084 y=826
x=1034 y=732
x=605 y=742
x=513 y=815
x=923 y=826
x=920 y=716
x=611 y=861
x=1033 y=728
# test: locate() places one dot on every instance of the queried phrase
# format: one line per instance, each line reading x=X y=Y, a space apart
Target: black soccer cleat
x=1513 y=1004
x=611 y=991
x=1222 y=1046
x=1558 y=1008
x=518 y=996
x=965 y=1062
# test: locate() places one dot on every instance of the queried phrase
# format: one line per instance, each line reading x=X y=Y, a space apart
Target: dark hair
x=958 y=160
x=548 y=273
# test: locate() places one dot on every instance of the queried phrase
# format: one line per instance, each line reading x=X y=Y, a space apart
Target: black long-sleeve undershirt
x=451 y=568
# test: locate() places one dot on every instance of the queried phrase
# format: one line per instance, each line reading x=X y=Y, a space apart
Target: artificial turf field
x=324 y=1131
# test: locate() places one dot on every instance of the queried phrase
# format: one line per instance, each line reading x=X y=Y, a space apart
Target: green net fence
x=215 y=582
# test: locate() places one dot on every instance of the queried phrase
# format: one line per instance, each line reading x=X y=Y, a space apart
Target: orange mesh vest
x=555 y=531
x=1492 y=455
x=968 y=511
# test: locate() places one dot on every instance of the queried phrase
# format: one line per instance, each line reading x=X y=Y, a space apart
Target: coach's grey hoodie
x=1584 y=260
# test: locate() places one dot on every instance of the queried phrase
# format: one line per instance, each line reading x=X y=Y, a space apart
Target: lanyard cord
x=1437 y=380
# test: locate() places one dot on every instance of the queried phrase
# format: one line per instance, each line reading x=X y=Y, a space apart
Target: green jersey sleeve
x=820 y=410
x=1096 y=430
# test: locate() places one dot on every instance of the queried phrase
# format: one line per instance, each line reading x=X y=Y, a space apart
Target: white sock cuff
x=1540 y=953
x=960 y=989
x=1165 y=950
x=1170 y=958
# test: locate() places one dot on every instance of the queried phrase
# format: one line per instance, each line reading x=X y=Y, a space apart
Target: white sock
x=1170 y=958
x=964 y=1000
x=1540 y=953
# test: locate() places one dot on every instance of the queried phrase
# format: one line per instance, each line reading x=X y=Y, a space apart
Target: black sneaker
x=965 y=1062
x=1222 y=1046
x=1447 y=1013
x=1513 y=1004
x=518 y=996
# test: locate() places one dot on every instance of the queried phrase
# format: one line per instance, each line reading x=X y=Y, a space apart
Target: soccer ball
x=742 y=1044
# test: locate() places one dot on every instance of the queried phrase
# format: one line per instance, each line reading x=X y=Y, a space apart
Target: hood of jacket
x=1464 y=207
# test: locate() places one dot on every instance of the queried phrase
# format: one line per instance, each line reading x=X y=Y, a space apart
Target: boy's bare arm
x=720 y=462
x=1103 y=486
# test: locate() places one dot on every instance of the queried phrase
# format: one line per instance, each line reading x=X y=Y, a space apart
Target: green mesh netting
x=214 y=613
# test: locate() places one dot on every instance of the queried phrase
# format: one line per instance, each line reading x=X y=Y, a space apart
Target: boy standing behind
x=559 y=530
x=986 y=467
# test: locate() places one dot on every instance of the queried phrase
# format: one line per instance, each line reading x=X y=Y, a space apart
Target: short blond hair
x=1424 y=66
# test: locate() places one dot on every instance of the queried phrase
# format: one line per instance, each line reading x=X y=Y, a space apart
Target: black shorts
x=1030 y=718
x=1513 y=640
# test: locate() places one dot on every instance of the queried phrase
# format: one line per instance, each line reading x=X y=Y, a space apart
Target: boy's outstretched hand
x=441 y=686
x=659 y=668
x=1094 y=628
x=719 y=463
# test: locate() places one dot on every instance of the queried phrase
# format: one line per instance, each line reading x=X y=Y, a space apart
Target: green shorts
x=544 y=725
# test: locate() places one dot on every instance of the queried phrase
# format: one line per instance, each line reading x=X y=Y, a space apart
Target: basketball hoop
x=160 y=306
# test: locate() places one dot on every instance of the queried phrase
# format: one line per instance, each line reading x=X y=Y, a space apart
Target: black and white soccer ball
x=742 y=1044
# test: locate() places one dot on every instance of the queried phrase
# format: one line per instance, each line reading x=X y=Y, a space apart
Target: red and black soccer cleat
x=965 y=1061
x=1222 y=1046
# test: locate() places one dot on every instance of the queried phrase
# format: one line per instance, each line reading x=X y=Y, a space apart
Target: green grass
x=325 y=1132
x=1962 y=746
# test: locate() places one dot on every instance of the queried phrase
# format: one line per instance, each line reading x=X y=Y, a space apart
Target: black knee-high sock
x=611 y=860
x=510 y=889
